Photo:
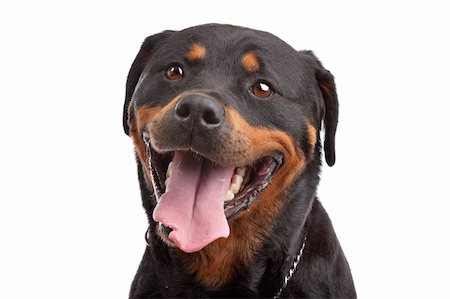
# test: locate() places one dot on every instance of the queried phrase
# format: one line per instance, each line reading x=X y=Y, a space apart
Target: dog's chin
x=246 y=184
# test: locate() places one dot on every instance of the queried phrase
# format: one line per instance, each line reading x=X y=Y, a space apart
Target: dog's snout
x=199 y=110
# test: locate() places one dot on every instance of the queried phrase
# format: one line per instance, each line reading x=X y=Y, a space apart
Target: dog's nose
x=200 y=111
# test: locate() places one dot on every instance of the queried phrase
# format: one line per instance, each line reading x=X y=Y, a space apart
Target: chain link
x=291 y=270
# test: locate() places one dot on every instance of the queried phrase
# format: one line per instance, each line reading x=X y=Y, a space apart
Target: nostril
x=182 y=110
x=211 y=117
x=198 y=110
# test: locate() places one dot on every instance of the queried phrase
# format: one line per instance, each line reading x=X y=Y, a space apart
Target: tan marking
x=250 y=61
x=142 y=115
x=196 y=52
x=312 y=138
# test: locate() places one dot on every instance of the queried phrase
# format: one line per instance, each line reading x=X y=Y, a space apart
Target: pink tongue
x=193 y=202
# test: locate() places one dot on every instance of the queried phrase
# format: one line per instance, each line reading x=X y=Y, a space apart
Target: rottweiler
x=226 y=124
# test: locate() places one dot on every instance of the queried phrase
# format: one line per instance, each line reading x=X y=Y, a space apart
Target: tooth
x=169 y=170
x=229 y=196
x=234 y=188
x=237 y=179
x=241 y=171
x=236 y=182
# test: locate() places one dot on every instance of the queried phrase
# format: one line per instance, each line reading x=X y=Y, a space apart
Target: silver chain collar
x=291 y=272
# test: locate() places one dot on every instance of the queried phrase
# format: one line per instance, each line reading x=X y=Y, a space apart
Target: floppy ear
x=325 y=81
x=139 y=63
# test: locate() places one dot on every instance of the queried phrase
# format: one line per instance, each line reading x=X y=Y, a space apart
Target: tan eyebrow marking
x=196 y=52
x=251 y=63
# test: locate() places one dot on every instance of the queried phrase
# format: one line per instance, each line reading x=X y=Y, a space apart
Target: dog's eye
x=262 y=89
x=174 y=72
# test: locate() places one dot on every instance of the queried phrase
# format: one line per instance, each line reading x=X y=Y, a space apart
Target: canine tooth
x=229 y=196
x=237 y=179
x=236 y=182
x=234 y=188
x=169 y=171
x=241 y=171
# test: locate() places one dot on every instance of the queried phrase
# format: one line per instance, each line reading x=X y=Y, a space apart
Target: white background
x=72 y=221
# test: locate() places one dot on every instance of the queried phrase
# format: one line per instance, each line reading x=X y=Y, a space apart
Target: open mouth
x=246 y=182
x=196 y=197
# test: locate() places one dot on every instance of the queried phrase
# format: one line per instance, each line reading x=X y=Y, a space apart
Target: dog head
x=223 y=120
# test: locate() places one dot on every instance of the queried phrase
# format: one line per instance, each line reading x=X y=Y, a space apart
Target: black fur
x=306 y=90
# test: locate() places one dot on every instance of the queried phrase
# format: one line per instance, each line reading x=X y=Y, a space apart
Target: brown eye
x=262 y=89
x=174 y=72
